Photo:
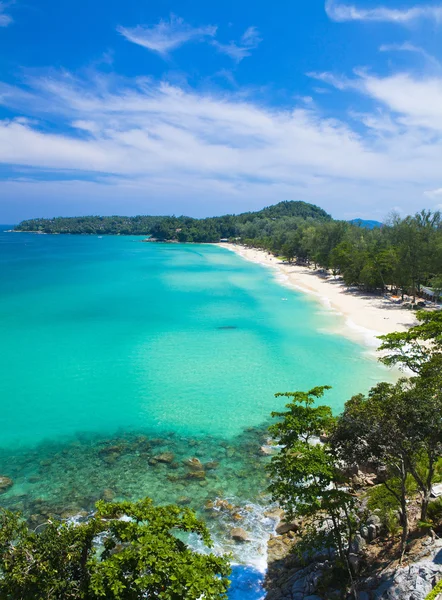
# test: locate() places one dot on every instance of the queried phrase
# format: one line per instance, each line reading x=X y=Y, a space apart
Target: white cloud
x=166 y=35
x=5 y=19
x=141 y=138
x=408 y=47
x=435 y=194
x=238 y=51
x=347 y=12
x=416 y=101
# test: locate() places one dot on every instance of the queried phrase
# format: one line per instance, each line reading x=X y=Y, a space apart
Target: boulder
x=276 y=549
x=274 y=513
x=239 y=535
x=372 y=532
x=165 y=457
x=196 y=475
x=364 y=532
x=284 y=527
x=194 y=464
x=362 y=479
x=355 y=561
x=358 y=544
x=5 y=484
x=265 y=451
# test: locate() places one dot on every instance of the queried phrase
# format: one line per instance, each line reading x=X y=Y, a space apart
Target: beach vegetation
x=419 y=349
x=306 y=480
x=125 y=551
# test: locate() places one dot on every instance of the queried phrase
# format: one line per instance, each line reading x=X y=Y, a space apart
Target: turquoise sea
x=114 y=352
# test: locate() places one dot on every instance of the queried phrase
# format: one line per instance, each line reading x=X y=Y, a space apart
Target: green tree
x=369 y=432
x=143 y=555
x=305 y=479
x=416 y=348
x=397 y=427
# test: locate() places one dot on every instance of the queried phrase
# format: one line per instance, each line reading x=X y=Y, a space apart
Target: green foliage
x=435 y=591
x=305 y=478
x=434 y=514
x=397 y=427
x=417 y=348
x=302 y=470
x=384 y=500
x=379 y=498
x=438 y=471
x=270 y=222
x=142 y=557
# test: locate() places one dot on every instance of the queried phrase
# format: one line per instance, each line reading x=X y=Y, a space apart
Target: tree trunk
x=425 y=502
x=343 y=555
x=404 y=514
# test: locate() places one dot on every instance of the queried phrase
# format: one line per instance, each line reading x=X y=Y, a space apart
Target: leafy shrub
x=141 y=557
x=434 y=514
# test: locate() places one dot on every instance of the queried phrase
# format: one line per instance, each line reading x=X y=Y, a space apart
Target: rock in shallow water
x=239 y=535
x=194 y=464
x=165 y=457
x=5 y=484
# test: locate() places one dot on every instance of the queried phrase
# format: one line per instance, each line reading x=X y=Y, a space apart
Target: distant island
x=249 y=225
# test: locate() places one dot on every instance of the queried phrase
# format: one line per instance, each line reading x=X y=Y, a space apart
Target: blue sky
x=202 y=108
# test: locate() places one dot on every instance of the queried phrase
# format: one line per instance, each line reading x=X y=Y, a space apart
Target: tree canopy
x=125 y=551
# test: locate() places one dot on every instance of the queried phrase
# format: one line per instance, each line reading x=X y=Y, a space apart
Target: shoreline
x=365 y=316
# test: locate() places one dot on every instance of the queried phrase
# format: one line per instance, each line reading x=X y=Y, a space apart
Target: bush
x=140 y=556
x=434 y=514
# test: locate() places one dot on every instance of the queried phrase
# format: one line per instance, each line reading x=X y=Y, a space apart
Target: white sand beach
x=366 y=315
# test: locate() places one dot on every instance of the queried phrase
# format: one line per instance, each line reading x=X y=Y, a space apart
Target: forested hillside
x=404 y=254
x=271 y=221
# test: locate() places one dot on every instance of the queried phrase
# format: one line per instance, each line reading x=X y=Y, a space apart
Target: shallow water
x=114 y=351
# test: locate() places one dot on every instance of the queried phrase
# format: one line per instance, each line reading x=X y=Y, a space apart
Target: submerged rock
x=265 y=451
x=5 y=484
x=165 y=457
x=194 y=464
x=108 y=495
x=212 y=465
x=184 y=500
x=196 y=475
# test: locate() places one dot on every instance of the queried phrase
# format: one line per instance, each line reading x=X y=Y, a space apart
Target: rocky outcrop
x=410 y=582
x=289 y=581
